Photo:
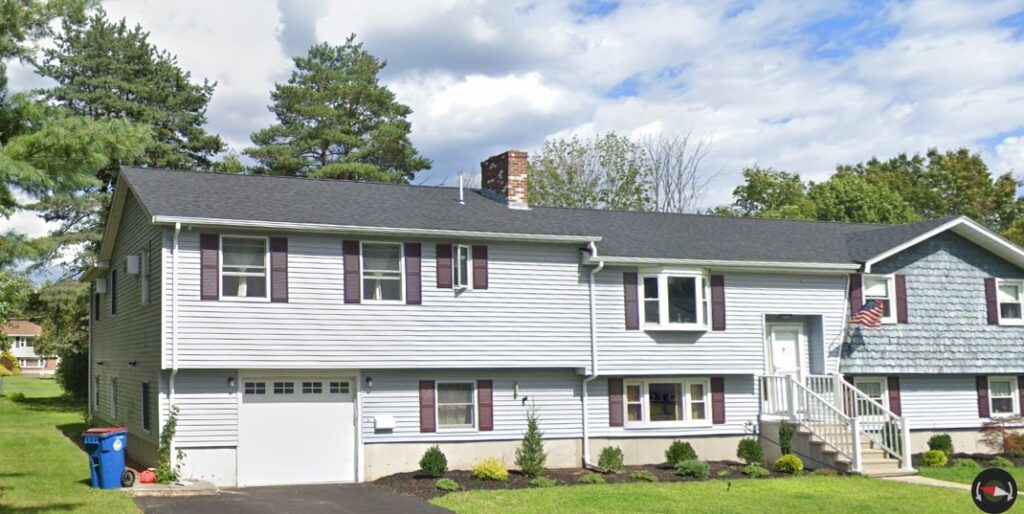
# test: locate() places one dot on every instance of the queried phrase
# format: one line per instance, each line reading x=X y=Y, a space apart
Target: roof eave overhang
x=730 y=265
x=372 y=231
x=966 y=228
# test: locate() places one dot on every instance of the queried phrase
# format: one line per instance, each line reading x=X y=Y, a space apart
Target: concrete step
x=900 y=472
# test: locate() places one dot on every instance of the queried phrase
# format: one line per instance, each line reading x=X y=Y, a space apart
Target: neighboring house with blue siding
x=362 y=323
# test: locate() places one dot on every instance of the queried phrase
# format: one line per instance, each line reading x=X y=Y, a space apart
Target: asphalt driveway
x=299 y=499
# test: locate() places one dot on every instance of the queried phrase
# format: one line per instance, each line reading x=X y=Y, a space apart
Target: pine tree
x=335 y=120
x=530 y=456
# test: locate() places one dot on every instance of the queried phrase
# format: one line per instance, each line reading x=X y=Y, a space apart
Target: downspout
x=92 y=380
x=593 y=356
x=174 y=335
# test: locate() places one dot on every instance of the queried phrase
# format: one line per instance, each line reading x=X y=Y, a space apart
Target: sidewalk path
x=918 y=479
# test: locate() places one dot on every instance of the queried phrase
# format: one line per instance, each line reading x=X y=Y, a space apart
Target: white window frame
x=883 y=383
x=1014 y=397
x=474 y=404
x=1020 y=297
x=144 y=296
x=890 y=299
x=685 y=400
x=113 y=398
x=700 y=289
x=457 y=266
x=266 y=270
x=401 y=272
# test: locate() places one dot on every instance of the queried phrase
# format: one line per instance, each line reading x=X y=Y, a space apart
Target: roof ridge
x=309 y=179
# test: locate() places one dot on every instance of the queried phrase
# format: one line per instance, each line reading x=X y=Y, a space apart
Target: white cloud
x=1009 y=155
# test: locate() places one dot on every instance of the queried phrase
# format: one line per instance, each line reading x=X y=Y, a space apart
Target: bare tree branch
x=676 y=177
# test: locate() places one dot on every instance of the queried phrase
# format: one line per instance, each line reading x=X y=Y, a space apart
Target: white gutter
x=593 y=354
x=174 y=332
x=720 y=263
x=379 y=231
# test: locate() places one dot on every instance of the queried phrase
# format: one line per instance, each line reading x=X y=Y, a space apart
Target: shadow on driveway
x=293 y=499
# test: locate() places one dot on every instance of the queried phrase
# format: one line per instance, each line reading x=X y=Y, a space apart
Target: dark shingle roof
x=627 y=234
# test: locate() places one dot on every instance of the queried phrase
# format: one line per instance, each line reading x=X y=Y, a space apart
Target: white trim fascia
x=975 y=232
x=821 y=267
x=373 y=231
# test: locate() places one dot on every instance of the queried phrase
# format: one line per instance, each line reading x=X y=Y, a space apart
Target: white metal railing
x=885 y=430
x=786 y=396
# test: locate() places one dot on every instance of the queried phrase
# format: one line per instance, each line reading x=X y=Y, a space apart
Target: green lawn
x=804 y=494
x=964 y=475
x=41 y=470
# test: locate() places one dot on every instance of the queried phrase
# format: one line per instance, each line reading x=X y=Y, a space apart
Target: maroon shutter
x=717 y=302
x=629 y=285
x=444 y=266
x=427 y=423
x=485 y=404
x=717 y=400
x=1020 y=391
x=991 y=302
x=279 y=269
x=352 y=287
x=209 y=264
x=479 y=267
x=615 y=402
x=901 y=299
x=856 y=293
x=982 y=383
x=895 y=404
x=413 y=279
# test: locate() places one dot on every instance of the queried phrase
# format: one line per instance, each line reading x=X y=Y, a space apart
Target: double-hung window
x=244 y=267
x=382 y=272
x=144 y=277
x=146 y=418
x=1002 y=396
x=657 y=402
x=461 y=275
x=1010 y=298
x=113 y=399
x=674 y=301
x=113 y=292
x=456 y=405
x=882 y=287
x=874 y=388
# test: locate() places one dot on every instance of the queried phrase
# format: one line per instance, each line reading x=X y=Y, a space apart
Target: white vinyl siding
x=208 y=408
x=940 y=402
x=535 y=313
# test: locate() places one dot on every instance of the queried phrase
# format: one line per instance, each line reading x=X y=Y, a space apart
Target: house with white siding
x=22 y=335
x=326 y=331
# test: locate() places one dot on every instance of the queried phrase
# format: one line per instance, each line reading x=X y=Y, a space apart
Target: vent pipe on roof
x=462 y=200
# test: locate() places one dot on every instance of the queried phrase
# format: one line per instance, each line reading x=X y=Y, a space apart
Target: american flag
x=870 y=315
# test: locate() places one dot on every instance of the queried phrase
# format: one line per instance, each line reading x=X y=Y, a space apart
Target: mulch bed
x=981 y=458
x=421 y=486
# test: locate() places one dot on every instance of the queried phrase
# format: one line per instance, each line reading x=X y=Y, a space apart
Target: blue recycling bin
x=105 y=447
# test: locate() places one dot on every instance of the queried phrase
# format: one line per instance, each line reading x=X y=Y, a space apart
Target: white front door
x=296 y=430
x=784 y=348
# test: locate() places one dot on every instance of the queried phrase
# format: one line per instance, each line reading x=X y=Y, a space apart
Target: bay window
x=1002 y=396
x=675 y=301
x=659 y=402
x=382 y=272
x=882 y=287
x=244 y=267
x=1009 y=295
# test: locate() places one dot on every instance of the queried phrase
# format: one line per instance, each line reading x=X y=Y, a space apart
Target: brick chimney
x=503 y=178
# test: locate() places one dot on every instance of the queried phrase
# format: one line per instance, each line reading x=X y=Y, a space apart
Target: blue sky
x=800 y=86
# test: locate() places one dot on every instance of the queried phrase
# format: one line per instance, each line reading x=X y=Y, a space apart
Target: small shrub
x=755 y=471
x=591 y=478
x=966 y=463
x=530 y=456
x=693 y=468
x=447 y=485
x=749 y=451
x=433 y=463
x=18 y=397
x=643 y=476
x=1001 y=435
x=543 y=482
x=1001 y=462
x=490 y=469
x=934 y=458
x=722 y=473
x=610 y=459
x=785 y=438
x=679 y=451
x=4 y=372
x=1013 y=445
x=942 y=442
x=789 y=464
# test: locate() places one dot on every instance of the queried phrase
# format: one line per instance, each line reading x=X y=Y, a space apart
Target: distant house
x=23 y=335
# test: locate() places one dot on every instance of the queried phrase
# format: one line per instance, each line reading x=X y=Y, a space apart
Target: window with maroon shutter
x=479 y=267
x=413 y=278
x=982 y=386
x=427 y=421
x=901 y=299
x=895 y=402
x=991 y=301
x=717 y=302
x=279 y=269
x=209 y=264
x=485 y=404
x=856 y=293
x=444 y=266
x=717 y=400
x=629 y=285
x=350 y=250
x=615 y=402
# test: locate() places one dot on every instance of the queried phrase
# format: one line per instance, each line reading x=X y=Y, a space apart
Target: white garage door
x=296 y=430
